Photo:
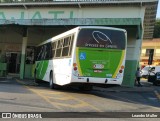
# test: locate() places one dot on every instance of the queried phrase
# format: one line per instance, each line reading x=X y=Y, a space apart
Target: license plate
x=97 y=71
x=98 y=66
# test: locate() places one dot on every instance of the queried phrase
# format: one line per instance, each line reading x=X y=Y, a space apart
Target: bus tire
x=51 y=84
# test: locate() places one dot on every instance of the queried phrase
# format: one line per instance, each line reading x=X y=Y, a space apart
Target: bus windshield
x=101 y=38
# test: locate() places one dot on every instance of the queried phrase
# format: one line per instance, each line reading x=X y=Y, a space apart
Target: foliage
x=156 y=33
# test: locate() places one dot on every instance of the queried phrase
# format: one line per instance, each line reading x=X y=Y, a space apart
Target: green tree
x=156 y=33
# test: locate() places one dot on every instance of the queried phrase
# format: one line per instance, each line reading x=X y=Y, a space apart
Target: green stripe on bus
x=41 y=68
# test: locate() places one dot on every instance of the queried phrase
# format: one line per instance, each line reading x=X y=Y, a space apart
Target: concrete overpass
x=25 y=23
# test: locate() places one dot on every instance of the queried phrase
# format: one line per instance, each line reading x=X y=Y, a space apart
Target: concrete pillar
x=22 y=66
x=134 y=43
x=140 y=33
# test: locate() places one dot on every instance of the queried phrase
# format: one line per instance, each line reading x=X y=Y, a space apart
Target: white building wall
x=133 y=45
x=157 y=51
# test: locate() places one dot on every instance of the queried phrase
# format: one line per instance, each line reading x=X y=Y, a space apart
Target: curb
x=157 y=94
x=26 y=83
x=139 y=89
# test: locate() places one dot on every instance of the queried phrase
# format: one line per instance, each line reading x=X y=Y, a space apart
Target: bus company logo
x=100 y=36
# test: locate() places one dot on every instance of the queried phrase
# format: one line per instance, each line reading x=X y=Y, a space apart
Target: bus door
x=13 y=62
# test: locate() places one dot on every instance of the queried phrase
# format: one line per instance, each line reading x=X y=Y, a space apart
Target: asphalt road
x=16 y=97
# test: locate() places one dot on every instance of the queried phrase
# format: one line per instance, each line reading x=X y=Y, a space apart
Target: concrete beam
x=74 y=21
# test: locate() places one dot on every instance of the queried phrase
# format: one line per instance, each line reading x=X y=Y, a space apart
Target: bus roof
x=75 y=29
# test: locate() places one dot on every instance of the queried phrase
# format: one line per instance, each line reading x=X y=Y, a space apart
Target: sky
x=158 y=11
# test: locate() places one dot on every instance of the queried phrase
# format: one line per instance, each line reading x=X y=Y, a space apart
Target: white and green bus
x=84 y=56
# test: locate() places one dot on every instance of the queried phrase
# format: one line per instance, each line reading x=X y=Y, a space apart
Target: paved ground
x=26 y=96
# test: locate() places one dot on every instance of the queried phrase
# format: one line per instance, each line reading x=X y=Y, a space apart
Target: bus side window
x=54 y=44
x=39 y=52
x=66 y=41
x=48 y=51
x=65 y=46
x=44 y=52
x=71 y=45
x=59 y=48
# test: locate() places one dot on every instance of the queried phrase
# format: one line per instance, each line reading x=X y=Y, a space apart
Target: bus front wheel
x=51 y=84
